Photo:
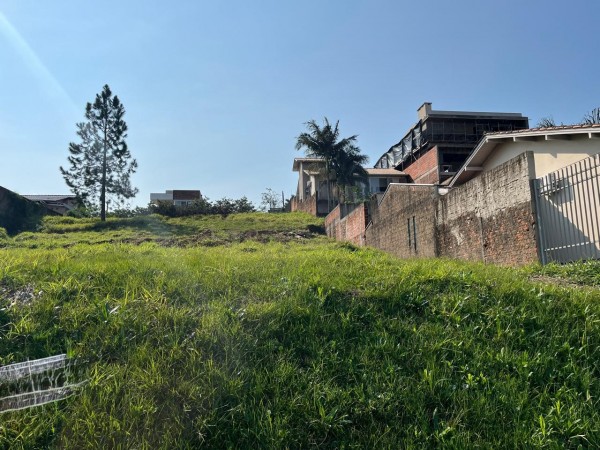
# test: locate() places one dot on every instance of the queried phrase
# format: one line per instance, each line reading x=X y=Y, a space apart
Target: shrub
x=203 y=206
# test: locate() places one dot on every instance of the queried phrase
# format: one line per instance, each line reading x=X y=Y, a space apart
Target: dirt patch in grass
x=22 y=296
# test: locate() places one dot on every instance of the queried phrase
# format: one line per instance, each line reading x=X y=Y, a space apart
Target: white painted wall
x=160 y=196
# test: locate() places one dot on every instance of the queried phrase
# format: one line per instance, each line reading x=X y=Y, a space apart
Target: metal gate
x=568 y=207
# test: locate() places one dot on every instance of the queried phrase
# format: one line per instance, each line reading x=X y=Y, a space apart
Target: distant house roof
x=49 y=198
x=487 y=144
x=384 y=172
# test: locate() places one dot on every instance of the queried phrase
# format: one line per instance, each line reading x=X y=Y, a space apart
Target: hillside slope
x=254 y=331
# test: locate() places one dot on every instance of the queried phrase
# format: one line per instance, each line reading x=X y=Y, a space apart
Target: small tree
x=592 y=118
x=101 y=164
x=243 y=205
x=546 y=122
x=270 y=200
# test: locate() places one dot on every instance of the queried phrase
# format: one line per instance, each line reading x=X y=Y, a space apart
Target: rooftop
x=384 y=172
x=488 y=142
x=48 y=198
x=298 y=161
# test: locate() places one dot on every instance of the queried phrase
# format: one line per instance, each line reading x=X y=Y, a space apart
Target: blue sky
x=216 y=92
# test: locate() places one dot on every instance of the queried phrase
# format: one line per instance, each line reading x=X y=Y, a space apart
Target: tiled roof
x=545 y=129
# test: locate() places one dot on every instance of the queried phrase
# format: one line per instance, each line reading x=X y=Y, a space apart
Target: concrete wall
x=425 y=169
x=489 y=219
x=404 y=209
x=350 y=228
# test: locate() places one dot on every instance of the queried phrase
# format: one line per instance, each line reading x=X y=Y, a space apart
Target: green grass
x=582 y=273
x=269 y=336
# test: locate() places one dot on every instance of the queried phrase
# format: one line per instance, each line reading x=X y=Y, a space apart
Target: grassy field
x=255 y=331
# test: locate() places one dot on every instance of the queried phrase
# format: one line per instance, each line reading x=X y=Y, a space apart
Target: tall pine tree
x=101 y=164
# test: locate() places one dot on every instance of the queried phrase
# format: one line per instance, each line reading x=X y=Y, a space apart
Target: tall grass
x=294 y=343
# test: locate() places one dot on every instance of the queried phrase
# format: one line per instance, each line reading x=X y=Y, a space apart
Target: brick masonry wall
x=425 y=169
x=350 y=228
x=489 y=219
x=392 y=219
x=308 y=206
x=331 y=223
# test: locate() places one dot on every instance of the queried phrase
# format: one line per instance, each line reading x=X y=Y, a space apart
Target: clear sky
x=217 y=91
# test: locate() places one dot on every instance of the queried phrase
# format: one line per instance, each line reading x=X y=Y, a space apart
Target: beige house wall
x=548 y=155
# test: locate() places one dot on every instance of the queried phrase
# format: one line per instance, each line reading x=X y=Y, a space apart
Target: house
x=60 y=204
x=439 y=143
x=553 y=148
x=564 y=174
x=317 y=194
x=314 y=192
x=522 y=196
x=176 y=197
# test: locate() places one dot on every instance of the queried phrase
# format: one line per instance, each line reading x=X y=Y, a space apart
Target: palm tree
x=342 y=157
x=349 y=171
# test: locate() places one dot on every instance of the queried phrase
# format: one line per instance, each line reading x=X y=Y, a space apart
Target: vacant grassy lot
x=255 y=332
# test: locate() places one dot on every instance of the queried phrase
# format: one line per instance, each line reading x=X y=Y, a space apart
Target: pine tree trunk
x=103 y=187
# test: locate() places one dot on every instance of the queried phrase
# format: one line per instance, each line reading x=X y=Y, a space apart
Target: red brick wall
x=350 y=228
x=309 y=205
x=425 y=169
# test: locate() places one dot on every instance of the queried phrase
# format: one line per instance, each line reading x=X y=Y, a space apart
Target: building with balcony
x=433 y=150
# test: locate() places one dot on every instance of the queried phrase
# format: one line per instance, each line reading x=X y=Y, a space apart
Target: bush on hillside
x=203 y=206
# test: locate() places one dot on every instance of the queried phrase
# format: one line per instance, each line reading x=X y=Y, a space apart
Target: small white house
x=177 y=197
